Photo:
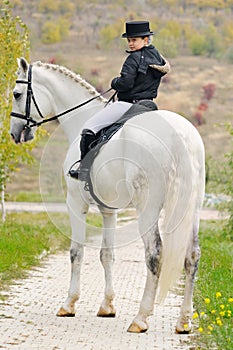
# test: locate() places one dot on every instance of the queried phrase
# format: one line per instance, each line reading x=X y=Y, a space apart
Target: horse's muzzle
x=25 y=135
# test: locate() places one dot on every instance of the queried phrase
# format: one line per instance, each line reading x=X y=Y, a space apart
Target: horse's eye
x=17 y=95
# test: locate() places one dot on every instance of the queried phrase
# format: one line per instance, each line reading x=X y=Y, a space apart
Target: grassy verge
x=214 y=289
x=25 y=237
x=25 y=197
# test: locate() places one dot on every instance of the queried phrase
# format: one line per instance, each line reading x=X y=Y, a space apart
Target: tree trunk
x=3 y=204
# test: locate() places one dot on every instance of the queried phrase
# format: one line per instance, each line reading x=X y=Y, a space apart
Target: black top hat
x=137 y=29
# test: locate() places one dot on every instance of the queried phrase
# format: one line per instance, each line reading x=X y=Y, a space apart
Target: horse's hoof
x=63 y=313
x=103 y=313
x=185 y=329
x=136 y=328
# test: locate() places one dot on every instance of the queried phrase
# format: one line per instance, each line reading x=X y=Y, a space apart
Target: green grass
x=25 y=197
x=25 y=237
x=35 y=197
x=214 y=288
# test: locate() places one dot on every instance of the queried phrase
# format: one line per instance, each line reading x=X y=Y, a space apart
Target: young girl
x=139 y=79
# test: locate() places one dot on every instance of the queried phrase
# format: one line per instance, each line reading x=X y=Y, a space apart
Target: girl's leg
x=103 y=118
x=107 y=116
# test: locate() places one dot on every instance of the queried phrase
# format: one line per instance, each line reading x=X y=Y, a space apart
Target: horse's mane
x=76 y=77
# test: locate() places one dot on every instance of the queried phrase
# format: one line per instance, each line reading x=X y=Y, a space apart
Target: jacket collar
x=143 y=48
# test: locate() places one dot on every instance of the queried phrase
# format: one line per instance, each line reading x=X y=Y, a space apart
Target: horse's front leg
x=78 y=226
x=107 y=258
x=153 y=254
x=184 y=324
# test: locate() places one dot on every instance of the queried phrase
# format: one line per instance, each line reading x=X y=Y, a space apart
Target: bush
x=54 y=32
x=197 y=44
x=229 y=55
x=64 y=27
x=213 y=42
x=110 y=33
x=228 y=186
x=47 y=6
x=50 y=33
x=167 y=43
x=220 y=181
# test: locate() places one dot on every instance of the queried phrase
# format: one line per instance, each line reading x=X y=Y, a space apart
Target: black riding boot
x=88 y=137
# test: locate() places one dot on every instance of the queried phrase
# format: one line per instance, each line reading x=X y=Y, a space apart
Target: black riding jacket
x=140 y=75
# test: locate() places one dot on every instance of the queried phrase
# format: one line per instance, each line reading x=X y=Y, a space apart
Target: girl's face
x=137 y=43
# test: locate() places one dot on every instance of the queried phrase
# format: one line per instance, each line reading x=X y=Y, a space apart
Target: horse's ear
x=23 y=64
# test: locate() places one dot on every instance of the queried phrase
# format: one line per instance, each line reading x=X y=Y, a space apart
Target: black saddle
x=105 y=134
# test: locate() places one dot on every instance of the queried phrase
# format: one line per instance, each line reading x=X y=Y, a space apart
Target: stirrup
x=74 y=173
x=79 y=174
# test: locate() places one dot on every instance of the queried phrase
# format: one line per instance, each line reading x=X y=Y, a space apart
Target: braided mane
x=76 y=77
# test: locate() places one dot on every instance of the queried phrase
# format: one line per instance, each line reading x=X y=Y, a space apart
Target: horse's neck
x=68 y=90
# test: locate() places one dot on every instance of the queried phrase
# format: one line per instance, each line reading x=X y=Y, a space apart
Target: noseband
x=30 y=97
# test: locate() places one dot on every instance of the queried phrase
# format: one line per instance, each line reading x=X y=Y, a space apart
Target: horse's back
x=168 y=127
x=166 y=136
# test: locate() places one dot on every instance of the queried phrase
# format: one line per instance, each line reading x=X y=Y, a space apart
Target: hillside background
x=196 y=36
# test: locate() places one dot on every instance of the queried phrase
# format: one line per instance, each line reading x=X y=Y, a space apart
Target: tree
x=13 y=44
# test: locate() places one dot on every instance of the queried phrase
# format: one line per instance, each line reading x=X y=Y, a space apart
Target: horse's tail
x=179 y=215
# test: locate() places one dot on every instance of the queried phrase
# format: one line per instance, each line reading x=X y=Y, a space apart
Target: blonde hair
x=150 y=39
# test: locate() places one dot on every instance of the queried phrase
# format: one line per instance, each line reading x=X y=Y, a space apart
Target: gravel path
x=28 y=321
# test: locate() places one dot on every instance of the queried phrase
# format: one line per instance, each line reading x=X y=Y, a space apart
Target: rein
x=30 y=97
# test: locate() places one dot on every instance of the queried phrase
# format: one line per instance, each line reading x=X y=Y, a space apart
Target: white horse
x=155 y=163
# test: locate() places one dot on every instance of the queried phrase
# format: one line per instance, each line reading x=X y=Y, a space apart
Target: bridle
x=30 y=97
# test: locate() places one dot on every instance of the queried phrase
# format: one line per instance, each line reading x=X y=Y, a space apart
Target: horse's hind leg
x=107 y=258
x=153 y=254
x=191 y=266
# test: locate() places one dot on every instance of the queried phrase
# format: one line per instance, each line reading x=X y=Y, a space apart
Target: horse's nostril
x=14 y=138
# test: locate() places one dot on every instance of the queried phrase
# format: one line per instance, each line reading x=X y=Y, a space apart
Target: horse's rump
x=157 y=157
